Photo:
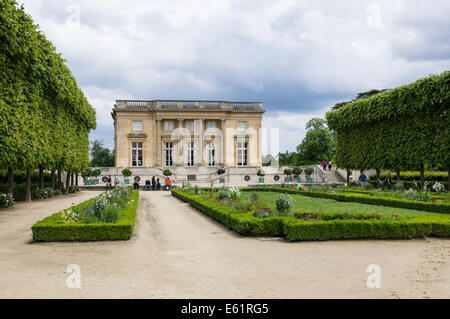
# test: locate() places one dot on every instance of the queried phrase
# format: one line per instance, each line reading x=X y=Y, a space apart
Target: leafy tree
x=101 y=156
x=45 y=118
x=318 y=143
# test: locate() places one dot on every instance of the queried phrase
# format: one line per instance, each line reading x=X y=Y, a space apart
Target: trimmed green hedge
x=414 y=176
x=441 y=208
x=52 y=228
x=296 y=229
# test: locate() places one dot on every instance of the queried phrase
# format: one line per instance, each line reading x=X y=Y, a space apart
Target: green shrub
x=331 y=227
x=167 y=172
x=6 y=200
x=283 y=204
x=309 y=170
x=297 y=171
x=126 y=172
x=54 y=228
x=260 y=173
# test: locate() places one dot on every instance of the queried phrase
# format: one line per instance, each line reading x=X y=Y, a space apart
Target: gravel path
x=177 y=252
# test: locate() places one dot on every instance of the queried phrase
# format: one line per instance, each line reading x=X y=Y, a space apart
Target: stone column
x=198 y=130
x=223 y=127
x=179 y=147
x=158 y=145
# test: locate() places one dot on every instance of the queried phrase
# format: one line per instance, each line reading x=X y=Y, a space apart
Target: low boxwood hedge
x=52 y=228
x=295 y=229
x=442 y=208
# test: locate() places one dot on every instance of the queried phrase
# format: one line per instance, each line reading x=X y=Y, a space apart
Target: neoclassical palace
x=186 y=133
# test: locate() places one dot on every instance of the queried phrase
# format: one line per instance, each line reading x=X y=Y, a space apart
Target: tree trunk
x=41 y=177
x=397 y=172
x=52 y=180
x=28 y=186
x=76 y=179
x=448 y=178
x=378 y=178
x=71 y=179
x=422 y=176
x=348 y=178
x=67 y=181
x=11 y=180
x=59 y=181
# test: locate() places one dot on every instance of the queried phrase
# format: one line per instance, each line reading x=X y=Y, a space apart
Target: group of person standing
x=155 y=184
x=326 y=164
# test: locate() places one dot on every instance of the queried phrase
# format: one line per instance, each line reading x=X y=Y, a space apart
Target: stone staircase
x=334 y=177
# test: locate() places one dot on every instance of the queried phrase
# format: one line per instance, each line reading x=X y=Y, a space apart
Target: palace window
x=241 y=126
x=136 y=154
x=189 y=153
x=168 y=149
x=168 y=125
x=189 y=125
x=210 y=124
x=211 y=151
x=136 y=126
x=242 y=153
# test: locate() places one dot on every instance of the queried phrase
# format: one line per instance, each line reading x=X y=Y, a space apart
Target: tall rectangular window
x=189 y=125
x=189 y=153
x=241 y=126
x=136 y=126
x=137 y=154
x=168 y=125
x=242 y=153
x=168 y=148
x=211 y=151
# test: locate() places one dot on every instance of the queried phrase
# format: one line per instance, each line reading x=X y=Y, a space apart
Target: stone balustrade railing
x=187 y=104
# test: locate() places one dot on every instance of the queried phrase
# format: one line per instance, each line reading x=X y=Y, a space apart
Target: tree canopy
x=406 y=127
x=101 y=156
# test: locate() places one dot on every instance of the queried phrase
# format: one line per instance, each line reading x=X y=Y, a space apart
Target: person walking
x=324 y=165
x=116 y=181
x=388 y=181
x=330 y=164
x=362 y=179
x=153 y=183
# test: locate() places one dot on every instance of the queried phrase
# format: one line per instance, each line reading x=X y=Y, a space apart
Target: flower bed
x=443 y=208
x=306 y=226
x=109 y=216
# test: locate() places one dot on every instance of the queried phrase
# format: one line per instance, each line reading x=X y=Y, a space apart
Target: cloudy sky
x=297 y=57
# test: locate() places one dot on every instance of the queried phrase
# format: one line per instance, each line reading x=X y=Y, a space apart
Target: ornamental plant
x=284 y=204
x=126 y=172
x=167 y=172
x=309 y=170
x=220 y=171
x=6 y=200
x=297 y=171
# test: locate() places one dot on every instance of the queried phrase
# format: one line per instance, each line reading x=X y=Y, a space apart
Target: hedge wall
x=403 y=128
x=442 y=208
x=296 y=229
x=52 y=228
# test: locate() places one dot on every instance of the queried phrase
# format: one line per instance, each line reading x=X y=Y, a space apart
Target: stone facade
x=190 y=134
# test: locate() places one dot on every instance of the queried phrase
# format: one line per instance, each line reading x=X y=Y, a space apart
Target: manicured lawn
x=312 y=204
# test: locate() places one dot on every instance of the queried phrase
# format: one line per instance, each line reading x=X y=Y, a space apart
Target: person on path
x=324 y=165
x=153 y=183
x=158 y=184
x=362 y=178
x=388 y=181
x=330 y=163
x=147 y=186
x=168 y=183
